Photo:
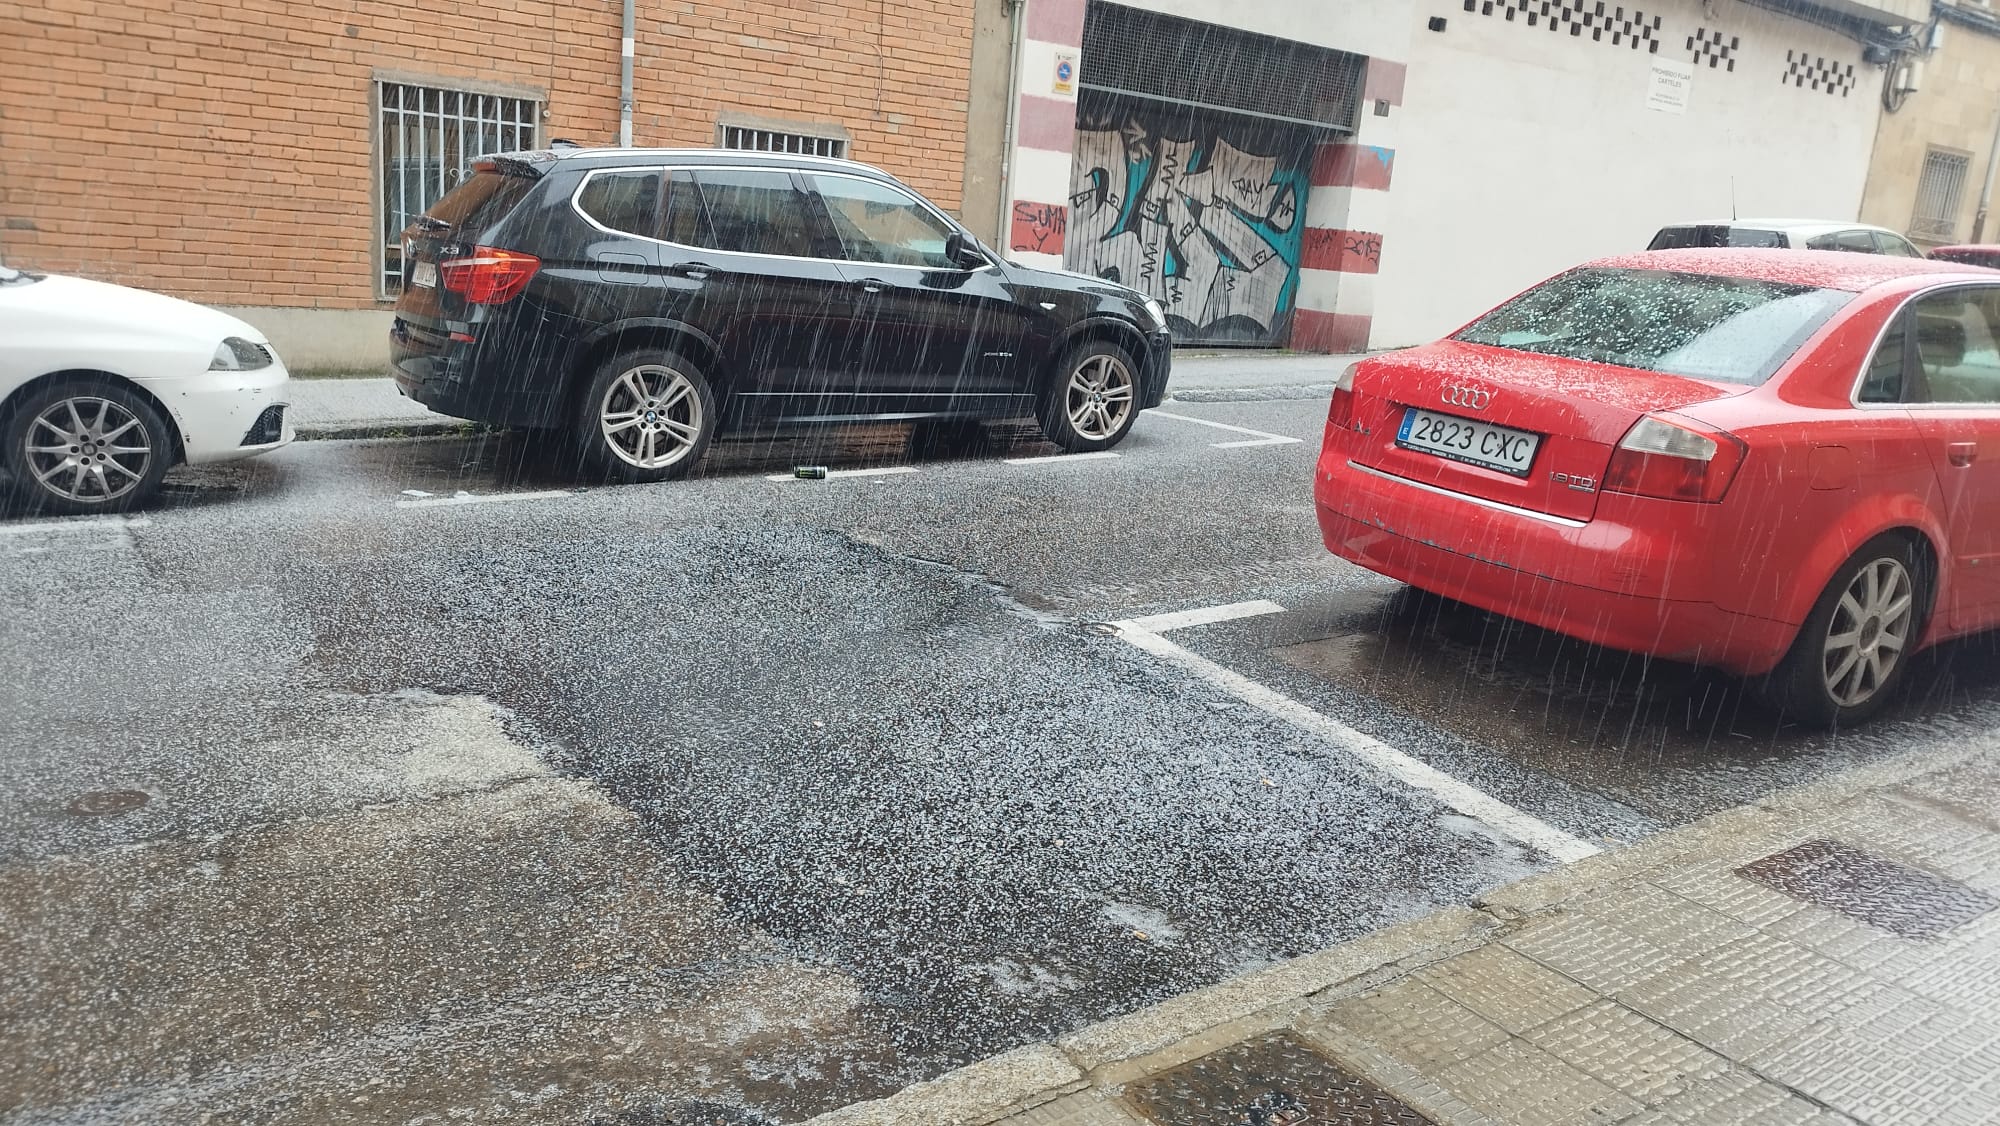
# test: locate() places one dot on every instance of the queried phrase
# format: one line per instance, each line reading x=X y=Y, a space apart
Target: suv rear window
x=480 y=202
x=1714 y=235
x=1733 y=330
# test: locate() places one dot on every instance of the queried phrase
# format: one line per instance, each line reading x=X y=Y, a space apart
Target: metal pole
x=625 y=79
x=1986 y=189
x=1017 y=14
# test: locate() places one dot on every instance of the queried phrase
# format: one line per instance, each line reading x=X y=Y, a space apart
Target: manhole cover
x=1275 y=1080
x=98 y=803
x=1897 y=898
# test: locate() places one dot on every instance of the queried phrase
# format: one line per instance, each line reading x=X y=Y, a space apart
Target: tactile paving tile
x=1609 y=942
x=1412 y=1022
x=1084 y=1108
x=1970 y=790
x=1637 y=1056
x=1878 y=891
x=1526 y=1086
x=1273 y=1080
x=1509 y=989
x=1737 y=1098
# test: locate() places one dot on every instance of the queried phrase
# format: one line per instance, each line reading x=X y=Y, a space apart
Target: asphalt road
x=422 y=769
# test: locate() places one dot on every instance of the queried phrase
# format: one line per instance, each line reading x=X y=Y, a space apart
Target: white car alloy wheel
x=1869 y=632
x=88 y=450
x=651 y=417
x=1099 y=396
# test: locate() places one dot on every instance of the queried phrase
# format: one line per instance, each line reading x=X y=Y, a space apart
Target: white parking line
x=884 y=471
x=491 y=498
x=1263 y=437
x=1100 y=454
x=1207 y=615
x=81 y=524
x=1460 y=796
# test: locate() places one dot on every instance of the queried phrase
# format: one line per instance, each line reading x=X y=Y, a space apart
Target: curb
x=1124 y=1049
x=1252 y=394
x=354 y=430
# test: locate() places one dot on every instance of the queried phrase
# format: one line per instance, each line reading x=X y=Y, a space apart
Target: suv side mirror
x=962 y=253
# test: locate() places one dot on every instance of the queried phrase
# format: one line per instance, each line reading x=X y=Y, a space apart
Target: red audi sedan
x=1785 y=464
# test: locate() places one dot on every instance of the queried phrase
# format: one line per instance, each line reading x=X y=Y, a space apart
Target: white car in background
x=104 y=388
x=1794 y=234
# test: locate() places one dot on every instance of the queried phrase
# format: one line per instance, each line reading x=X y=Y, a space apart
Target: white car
x=104 y=388
x=1796 y=234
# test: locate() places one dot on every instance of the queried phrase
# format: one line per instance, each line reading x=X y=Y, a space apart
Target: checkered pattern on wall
x=1603 y=22
x=1806 y=70
x=1714 y=48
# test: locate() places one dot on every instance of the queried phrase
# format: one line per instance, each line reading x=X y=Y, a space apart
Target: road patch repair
x=499 y=930
x=1825 y=956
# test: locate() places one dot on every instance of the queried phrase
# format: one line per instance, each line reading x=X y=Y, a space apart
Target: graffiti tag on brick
x=1038 y=227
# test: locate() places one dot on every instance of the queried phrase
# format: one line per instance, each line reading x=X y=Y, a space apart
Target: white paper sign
x=1668 y=90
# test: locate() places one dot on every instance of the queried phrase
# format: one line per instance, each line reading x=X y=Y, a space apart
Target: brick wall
x=220 y=151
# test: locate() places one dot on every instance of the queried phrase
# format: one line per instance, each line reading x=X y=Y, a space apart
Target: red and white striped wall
x=1044 y=131
x=1346 y=213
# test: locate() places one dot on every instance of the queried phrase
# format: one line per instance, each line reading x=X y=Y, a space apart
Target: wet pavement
x=871 y=765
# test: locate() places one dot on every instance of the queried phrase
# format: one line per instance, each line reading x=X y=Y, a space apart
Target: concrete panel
x=312 y=341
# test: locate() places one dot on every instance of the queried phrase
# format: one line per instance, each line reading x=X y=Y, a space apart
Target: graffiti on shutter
x=1206 y=218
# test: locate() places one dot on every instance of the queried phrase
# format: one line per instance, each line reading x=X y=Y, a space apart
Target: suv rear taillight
x=1673 y=461
x=1340 y=410
x=488 y=276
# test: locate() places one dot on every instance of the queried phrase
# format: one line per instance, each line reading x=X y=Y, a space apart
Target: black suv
x=643 y=300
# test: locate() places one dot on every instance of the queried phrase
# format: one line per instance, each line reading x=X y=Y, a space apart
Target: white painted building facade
x=1523 y=151
x=1492 y=143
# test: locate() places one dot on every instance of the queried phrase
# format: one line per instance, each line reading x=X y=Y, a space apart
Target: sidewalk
x=370 y=407
x=1828 y=956
x=363 y=408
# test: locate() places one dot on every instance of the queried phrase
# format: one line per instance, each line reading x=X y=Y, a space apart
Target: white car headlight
x=1154 y=311
x=238 y=354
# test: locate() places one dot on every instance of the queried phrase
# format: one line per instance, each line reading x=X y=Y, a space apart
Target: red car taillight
x=1671 y=461
x=1340 y=411
x=489 y=276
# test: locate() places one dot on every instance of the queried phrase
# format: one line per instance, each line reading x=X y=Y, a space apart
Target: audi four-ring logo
x=1471 y=398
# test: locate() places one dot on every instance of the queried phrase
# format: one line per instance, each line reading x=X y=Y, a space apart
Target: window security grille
x=772 y=140
x=428 y=139
x=1939 y=189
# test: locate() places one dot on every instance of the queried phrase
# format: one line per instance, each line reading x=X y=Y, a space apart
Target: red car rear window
x=1732 y=330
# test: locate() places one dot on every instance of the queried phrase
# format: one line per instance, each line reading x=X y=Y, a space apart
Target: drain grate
x=1275 y=1080
x=1897 y=898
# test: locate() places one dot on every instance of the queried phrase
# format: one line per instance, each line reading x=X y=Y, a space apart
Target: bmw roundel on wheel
x=1783 y=464
x=643 y=301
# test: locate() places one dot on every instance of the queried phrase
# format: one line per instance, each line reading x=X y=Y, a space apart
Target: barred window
x=428 y=138
x=1939 y=190
x=778 y=140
